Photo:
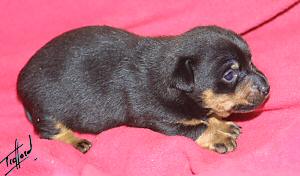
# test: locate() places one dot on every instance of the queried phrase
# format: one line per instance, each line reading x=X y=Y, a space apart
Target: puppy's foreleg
x=220 y=136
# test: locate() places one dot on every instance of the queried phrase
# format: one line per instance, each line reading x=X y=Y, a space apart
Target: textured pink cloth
x=270 y=141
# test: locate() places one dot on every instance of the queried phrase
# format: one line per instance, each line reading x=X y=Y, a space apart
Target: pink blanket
x=269 y=145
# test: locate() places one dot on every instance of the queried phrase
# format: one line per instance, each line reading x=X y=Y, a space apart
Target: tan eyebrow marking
x=235 y=66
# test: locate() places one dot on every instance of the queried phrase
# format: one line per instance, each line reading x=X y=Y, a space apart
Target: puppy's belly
x=93 y=125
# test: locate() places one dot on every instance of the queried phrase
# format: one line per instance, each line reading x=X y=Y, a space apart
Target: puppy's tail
x=28 y=115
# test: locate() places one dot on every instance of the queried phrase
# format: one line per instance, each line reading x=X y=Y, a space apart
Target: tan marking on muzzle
x=222 y=104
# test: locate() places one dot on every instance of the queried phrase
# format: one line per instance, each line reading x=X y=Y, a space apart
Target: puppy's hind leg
x=67 y=136
x=48 y=128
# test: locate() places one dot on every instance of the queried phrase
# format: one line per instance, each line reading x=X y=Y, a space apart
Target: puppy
x=95 y=78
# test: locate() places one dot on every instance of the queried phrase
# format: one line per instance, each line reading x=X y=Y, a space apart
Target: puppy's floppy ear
x=183 y=75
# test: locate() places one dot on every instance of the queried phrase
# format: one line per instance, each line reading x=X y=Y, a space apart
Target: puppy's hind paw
x=83 y=145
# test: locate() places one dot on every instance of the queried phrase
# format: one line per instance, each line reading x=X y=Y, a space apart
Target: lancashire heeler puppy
x=95 y=78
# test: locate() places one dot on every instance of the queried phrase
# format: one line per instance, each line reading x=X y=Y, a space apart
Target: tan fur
x=192 y=122
x=222 y=104
x=66 y=135
x=218 y=132
x=235 y=66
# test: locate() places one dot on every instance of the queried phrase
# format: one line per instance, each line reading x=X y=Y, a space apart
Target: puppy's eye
x=230 y=76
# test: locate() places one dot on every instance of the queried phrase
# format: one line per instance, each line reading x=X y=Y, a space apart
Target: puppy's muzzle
x=258 y=90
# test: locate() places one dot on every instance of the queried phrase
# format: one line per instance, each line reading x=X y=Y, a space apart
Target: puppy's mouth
x=254 y=102
x=244 y=108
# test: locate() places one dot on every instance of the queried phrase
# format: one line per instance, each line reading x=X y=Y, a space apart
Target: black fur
x=95 y=78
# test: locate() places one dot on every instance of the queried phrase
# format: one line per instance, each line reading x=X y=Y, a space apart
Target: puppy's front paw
x=220 y=136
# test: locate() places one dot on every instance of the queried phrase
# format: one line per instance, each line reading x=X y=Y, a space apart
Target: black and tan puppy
x=95 y=78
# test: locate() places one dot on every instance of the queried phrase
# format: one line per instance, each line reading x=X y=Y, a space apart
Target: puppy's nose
x=265 y=90
x=264 y=87
x=261 y=84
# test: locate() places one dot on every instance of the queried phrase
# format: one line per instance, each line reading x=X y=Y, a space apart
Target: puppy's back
x=74 y=50
x=71 y=74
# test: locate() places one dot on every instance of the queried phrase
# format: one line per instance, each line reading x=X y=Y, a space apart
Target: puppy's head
x=214 y=67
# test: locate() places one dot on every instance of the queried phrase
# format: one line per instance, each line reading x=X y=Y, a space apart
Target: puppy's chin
x=224 y=105
x=244 y=108
x=256 y=103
